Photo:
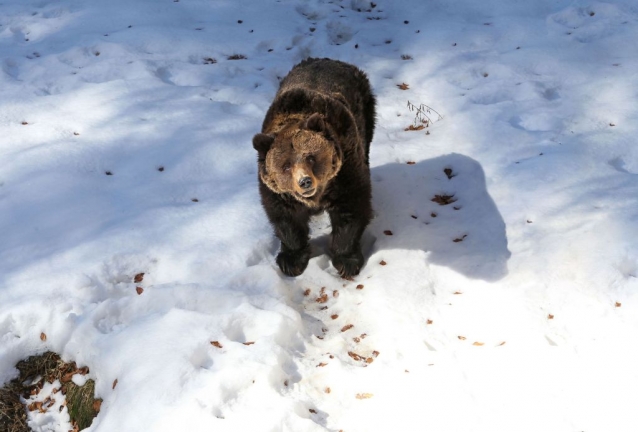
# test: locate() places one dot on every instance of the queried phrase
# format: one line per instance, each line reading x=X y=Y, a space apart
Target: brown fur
x=313 y=156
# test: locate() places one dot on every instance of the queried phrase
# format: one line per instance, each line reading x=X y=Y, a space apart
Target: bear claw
x=348 y=265
x=293 y=263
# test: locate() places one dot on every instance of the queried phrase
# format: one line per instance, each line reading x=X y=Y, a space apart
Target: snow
x=528 y=323
x=49 y=409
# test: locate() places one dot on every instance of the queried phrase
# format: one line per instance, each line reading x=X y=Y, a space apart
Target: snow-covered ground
x=125 y=148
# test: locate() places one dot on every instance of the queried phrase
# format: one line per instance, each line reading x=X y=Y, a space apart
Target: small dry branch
x=423 y=114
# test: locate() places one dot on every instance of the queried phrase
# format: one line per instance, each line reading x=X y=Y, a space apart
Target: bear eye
x=286 y=167
x=310 y=159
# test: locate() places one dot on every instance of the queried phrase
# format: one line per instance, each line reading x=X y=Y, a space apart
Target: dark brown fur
x=317 y=132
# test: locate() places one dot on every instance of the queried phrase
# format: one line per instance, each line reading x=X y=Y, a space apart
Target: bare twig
x=423 y=114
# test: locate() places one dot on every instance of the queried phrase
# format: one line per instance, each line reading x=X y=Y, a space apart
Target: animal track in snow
x=587 y=24
x=338 y=32
x=619 y=165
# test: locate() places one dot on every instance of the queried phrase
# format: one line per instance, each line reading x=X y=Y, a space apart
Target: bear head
x=299 y=160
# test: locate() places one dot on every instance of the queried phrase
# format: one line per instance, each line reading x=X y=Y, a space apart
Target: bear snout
x=305 y=183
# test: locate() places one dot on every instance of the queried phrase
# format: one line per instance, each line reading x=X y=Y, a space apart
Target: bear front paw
x=348 y=265
x=293 y=263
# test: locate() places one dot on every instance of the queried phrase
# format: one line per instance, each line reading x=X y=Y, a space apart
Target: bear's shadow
x=438 y=205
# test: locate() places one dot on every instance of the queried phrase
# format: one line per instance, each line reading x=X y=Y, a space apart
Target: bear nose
x=305 y=183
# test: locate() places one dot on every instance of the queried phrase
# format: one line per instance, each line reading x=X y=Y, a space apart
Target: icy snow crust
x=528 y=322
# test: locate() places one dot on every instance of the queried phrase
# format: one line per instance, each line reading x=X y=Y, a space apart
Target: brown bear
x=313 y=156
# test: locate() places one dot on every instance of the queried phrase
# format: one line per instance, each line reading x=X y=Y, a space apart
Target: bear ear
x=315 y=123
x=262 y=143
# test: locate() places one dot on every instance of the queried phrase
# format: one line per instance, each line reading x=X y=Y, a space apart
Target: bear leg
x=292 y=229
x=346 y=247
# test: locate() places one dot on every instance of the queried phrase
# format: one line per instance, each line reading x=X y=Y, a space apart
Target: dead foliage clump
x=34 y=372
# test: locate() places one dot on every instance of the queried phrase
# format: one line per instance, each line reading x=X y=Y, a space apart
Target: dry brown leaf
x=443 y=199
x=97 y=404
x=354 y=355
x=478 y=344
x=383 y=263
x=387 y=232
x=322 y=299
x=448 y=173
x=34 y=406
x=139 y=290
x=216 y=344
x=248 y=343
x=364 y=395
x=550 y=316
x=375 y=354
x=114 y=384
x=457 y=292
x=411 y=162
x=43 y=337
x=306 y=292
x=462 y=337
x=335 y=316
x=356 y=339
x=346 y=327
x=414 y=128
x=335 y=293
x=618 y=304
x=67 y=377
x=312 y=411
x=360 y=286
x=502 y=343
x=322 y=364
x=138 y=278
x=403 y=86
x=327 y=390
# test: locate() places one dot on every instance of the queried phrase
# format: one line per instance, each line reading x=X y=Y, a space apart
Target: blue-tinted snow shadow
x=467 y=234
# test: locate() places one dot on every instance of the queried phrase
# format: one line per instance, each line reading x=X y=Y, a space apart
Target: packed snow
x=509 y=305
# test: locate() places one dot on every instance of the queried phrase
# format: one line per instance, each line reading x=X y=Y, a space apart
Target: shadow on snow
x=462 y=229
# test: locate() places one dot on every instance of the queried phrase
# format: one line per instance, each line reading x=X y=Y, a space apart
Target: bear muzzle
x=305 y=183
